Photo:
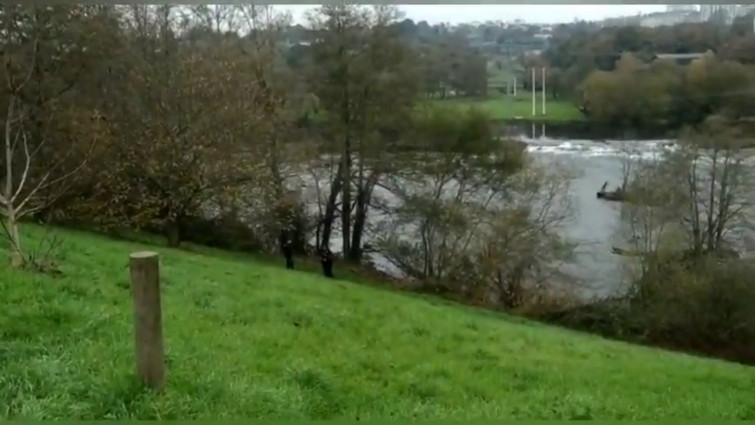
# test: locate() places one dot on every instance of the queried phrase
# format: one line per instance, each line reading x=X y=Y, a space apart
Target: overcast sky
x=552 y=13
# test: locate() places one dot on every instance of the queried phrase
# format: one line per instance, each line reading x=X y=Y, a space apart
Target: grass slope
x=249 y=339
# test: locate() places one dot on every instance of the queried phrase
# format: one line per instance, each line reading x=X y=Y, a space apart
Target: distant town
x=678 y=14
x=722 y=14
x=519 y=37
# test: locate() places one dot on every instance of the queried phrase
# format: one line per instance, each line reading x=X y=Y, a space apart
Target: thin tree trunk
x=14 y=240
x=346 y=205
x=11 y=223
x=346 y=190
x=711 y=210
x=282 y=212
x=360 y=219
x=355 y=253
x=330 y=208
x=173 y=232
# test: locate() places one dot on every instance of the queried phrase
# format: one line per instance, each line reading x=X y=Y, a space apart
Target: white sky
x=546 y=14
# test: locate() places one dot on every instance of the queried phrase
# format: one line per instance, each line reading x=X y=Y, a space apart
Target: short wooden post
x=148 y=331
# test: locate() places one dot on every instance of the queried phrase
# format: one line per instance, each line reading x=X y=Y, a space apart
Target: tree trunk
x=355 y=252
x=330 y=208
x=346 y=196
x=318 y=231
x=346 y=208
x=282 y=217
x=360 y=219
x=11 y=220
x=173 y=233
x=14 y=240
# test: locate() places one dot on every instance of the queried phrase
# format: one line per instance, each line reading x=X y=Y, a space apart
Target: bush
x=704 y=308
x=224 y=231
x=259 y=232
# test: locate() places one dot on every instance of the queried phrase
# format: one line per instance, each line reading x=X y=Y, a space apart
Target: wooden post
x=148 y=331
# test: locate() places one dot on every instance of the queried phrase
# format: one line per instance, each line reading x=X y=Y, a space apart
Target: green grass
x=501 y=107
x=248 y=339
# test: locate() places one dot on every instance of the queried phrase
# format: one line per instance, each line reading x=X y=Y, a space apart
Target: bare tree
x=522 y=254
x=689 y=202
x=31 y=180
x=474 y=215
x=649 y=216
x=362 y=76
x=717 y=182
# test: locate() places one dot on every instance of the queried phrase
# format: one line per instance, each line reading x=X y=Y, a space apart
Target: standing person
x=288 y=251
x=326 y=259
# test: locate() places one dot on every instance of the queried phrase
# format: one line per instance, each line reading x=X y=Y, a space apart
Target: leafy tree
x=169 y=155
x=716 y=86
x=363 y=76
x=741 y=49
x=640 y=95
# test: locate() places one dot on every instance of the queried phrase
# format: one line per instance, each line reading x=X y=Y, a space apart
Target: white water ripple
x=646 y=149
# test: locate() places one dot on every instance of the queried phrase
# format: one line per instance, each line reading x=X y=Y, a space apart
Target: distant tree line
x=614 y=75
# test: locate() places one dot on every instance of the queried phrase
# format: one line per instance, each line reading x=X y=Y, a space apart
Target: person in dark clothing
x=288 y=252
x=326 y=259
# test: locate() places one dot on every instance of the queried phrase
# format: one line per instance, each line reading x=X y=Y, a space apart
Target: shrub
x=703 y=308
x=706 y=307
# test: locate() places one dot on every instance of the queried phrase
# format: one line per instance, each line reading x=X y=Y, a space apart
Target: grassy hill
x=248 y=339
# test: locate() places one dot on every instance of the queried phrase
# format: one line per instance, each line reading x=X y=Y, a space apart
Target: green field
x=246 y=338
x=501 y=107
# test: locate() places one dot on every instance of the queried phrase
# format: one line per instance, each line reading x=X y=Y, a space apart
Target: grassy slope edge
x=248 y=339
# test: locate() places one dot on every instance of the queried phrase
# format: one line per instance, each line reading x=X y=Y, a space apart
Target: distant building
x=674 y=17
x=681 y=8
x=726 y=12
x=683 y=13
x=680 y=58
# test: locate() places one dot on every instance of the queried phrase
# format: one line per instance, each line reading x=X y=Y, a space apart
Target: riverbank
x=576 y=130
x=512 y=116
x=312 y=348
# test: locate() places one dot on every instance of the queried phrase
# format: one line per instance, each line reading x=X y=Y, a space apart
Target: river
x=595 y=223
x=594 y=226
